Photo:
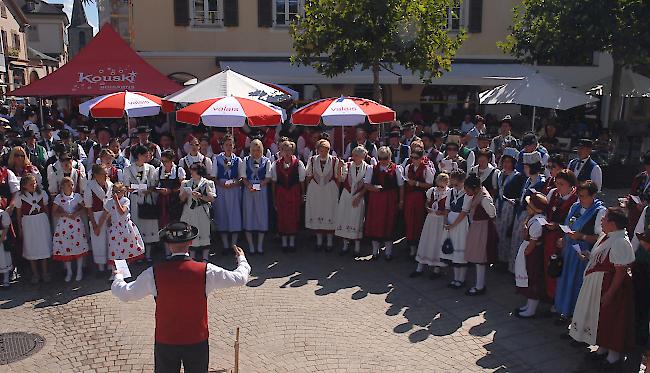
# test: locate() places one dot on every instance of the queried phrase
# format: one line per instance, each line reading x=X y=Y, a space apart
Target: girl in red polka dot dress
x=70 y=242
x=124 y=239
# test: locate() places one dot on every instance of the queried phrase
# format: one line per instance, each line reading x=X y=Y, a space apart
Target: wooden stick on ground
x=237 y=352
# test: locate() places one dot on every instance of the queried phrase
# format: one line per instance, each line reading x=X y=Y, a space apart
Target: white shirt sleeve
x=534 y=229
x=467 y=203
x=142 y=286
x=598 y=228
x=82 y=153
x=12 y=180
x=302 y=172
x=219 y=278
x=471 y=158
x=18 y=202
x=208 y=167
x=399 y=172
x=640 y=228
x=242 y=168
x=489 y=207
x=550 y=194
x=348 y=152
x=367 y=179
x=448 y=200
x=621 y=252
x=429 y=175
x=597 y=177
x=274 y=173
x=268 y=170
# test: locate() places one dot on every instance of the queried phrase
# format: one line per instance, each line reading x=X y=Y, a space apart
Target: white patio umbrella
x=224 y=84
x=536 y=90
x=632 y=85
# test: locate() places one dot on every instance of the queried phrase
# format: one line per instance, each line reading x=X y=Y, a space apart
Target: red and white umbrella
x=116 y=105
x=231 y=111
x=342 y=111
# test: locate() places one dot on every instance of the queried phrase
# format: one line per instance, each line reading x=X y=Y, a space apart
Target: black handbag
x=148 y=210
x=555 y=266
x=447 y=247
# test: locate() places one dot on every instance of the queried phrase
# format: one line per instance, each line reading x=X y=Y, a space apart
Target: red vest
x=287 y=177
x=387 y=179
x=181 y=303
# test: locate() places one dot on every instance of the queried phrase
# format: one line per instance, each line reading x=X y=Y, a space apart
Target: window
x=455 y=16
x=16 y=41
x=287 y=10
x=5 y=45
x=32 y=33
x=207 y=12
x=82 y=39
x=3 y=9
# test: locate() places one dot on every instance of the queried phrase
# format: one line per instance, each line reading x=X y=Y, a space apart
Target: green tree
x=335 y=36
x=557 y=31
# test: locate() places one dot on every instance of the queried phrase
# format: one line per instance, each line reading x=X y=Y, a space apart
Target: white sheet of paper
x=533 y=190
x=187 y=190
x=542 y=220
x=139 y=186
x=122 y=267
x=257 y=187
x=229 y=182
x=636 y=199
x=565 y=228
x=447 y=165
x=577 y=248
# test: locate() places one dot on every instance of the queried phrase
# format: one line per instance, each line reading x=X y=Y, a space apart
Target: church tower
x=80 y=31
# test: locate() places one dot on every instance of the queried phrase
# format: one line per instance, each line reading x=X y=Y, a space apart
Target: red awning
x=106 y=65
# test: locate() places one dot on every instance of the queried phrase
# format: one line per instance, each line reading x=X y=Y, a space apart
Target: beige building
x=197 y=38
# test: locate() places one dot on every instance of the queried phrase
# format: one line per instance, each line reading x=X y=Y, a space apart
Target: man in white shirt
x=584 y=167
x=181 y=286
x=467 y=124
x=30 y=124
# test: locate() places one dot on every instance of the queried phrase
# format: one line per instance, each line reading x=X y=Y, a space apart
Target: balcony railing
x=210 y=18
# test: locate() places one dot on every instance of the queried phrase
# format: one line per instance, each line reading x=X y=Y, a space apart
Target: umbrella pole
x=40 y=106
x=343 y=144
x=533 y=120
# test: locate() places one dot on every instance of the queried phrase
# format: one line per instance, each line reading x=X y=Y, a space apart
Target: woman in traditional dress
x=560 y=199
x=482 y=238
x=433 y=231
x=583 y=221
x=198 y=194
x=194 y=156
x=456 y=225
x=70 y=242
x=98 y=190
x=486 y=172
x=107 y=159
x=288 y=175
x=227 y=205
x=350 y=211
x=142 y=179
x=322 y=194
x=533 y=170
x=419 y=178
x=529 y=264
x=32 y=213
x=452 y=160
x=604 y=311
x=20 y=165
x=169 y=178
x=385 y=186
x=641 y=190
x=124 y=239
x=255 y=172
x=509 y=185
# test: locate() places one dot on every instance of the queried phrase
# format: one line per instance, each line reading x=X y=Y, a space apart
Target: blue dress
x=256 y=204
x=570 y=281
x=228 y=204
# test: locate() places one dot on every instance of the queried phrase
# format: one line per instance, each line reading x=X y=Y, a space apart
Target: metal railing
x=208 y=18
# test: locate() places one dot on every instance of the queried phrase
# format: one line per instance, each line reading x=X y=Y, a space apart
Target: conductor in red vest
x=180 y=287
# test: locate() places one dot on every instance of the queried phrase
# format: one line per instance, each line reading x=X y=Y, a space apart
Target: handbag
x=148 y=210
x=555 y=266
x=447 y=246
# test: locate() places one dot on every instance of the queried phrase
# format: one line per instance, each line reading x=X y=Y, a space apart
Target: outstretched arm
x=142 y=286
x=219 y=278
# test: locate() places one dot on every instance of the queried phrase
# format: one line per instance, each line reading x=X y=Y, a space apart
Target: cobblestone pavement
x=302 y=312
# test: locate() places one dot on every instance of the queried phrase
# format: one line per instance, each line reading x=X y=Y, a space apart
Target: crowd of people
x=459 y=198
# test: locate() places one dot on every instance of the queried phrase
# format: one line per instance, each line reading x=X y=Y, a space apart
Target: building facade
x=80 y=31
x=197 y=38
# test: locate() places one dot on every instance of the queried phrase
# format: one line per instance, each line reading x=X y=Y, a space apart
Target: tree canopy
x=569 y=32
x=335 y=36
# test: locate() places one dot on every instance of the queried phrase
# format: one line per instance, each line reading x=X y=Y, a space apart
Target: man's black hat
x=142 y=130
x=587 y=143
x=178 y=232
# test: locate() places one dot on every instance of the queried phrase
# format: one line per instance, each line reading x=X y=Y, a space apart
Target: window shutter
x=265 y=13
x=475 y=16
x=181 y=12
x=230 y=13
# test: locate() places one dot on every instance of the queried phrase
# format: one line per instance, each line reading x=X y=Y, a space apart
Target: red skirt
x=381 y=215
x=170 y=209
x=535 y=269
x=414 y=214
x=288 y=203
x=616 y=319
x=550 y=248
